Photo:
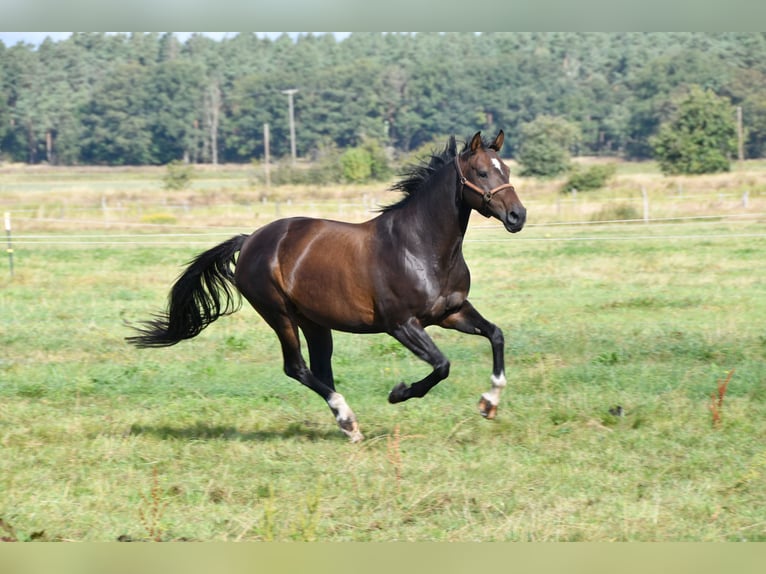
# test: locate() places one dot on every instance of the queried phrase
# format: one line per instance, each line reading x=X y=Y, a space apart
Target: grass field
x=209 y=440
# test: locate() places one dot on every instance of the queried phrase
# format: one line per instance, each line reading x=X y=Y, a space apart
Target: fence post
x=745 y=199
x=267 y=155
x=645 y=197
x=574 y=200
x=105 y=209
x=10 y=244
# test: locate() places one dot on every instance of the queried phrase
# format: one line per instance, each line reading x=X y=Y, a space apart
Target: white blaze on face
x=497 y=164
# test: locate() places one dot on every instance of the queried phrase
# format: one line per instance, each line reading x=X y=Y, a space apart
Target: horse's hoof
x=487 y=409
x=354 y=434
x=351 y=429
x=397 y=394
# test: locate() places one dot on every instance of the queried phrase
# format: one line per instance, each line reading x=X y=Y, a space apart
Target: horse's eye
x=482 y=174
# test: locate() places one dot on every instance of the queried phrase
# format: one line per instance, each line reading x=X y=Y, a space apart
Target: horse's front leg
x=412 y=335
x=468 y=320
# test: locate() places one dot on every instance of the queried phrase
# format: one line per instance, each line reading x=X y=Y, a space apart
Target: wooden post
x=105 y=210
x=49 y=147
x=267 y=154
x=212 y=106
x=645 y=197
x=291 y=111
x=10 y=244
x=740 y=135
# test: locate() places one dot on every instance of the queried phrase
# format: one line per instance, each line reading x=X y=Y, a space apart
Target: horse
x=397 y=273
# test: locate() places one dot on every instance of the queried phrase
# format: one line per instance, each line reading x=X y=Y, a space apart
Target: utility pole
x=740 y=135
x=267 y=154
x=290 y=94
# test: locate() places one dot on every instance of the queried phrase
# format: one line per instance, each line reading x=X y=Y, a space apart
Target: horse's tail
x=199 y=296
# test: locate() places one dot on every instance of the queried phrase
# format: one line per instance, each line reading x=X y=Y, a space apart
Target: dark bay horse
x=396 y=273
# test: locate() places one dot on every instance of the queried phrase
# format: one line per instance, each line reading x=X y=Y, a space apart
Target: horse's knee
x=292 y=371
x=297 y=371
x=496 y=337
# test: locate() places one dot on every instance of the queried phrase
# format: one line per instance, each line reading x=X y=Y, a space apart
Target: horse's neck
x=435 y=219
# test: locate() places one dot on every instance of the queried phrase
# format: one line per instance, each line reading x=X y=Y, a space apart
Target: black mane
x=417 y=176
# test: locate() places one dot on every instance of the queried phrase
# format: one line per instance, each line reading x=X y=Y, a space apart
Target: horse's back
x=319 y=267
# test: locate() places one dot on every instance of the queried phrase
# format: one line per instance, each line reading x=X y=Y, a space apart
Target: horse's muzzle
x=515 y=219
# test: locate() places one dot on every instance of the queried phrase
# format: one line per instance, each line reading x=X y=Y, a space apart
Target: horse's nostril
x=515 y=219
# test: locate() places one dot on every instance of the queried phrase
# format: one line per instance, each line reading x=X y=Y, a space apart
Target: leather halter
x=486 y=195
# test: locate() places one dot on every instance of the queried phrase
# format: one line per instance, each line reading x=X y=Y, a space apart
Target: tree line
x=148 y=98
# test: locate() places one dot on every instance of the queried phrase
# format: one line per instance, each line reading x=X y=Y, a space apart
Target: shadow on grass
x=203 y=431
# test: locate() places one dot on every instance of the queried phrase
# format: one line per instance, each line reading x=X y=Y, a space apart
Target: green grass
x=208 y=440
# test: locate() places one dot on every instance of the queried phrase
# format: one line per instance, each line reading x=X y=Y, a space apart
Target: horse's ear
x=476 y=142
x=498 y=143
x=452 y=146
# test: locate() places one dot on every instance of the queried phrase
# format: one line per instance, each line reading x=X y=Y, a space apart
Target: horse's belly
x=334 y=297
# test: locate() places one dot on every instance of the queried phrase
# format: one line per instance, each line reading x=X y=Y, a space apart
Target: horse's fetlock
x=442 y=369
x=398 y=393
x=498 y=381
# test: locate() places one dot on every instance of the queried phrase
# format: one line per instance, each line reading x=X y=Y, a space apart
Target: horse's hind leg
x=469 y=320
x=295 y=367
x=319 y=341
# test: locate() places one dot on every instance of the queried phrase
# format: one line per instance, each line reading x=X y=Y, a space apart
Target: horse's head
x=484 y=180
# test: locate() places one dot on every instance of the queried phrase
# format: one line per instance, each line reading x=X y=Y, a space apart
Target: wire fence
x=147 y=224
x=207 y=234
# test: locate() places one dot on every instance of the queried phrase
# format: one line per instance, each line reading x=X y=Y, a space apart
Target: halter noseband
x=486 y=195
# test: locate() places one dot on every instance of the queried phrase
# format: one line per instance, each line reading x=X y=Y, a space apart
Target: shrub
x=178 y=175
x=326 y=168
x=285 y=173
x=617 y=212
x=329 y=165
x=700 y=139
x=357 y=165
x=380 y=169
x=594 y=177
x=544 y=146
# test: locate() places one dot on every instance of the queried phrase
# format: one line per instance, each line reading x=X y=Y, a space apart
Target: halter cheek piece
x=486 y=195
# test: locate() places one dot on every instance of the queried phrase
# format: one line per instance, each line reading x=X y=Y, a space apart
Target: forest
x=150 y=99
